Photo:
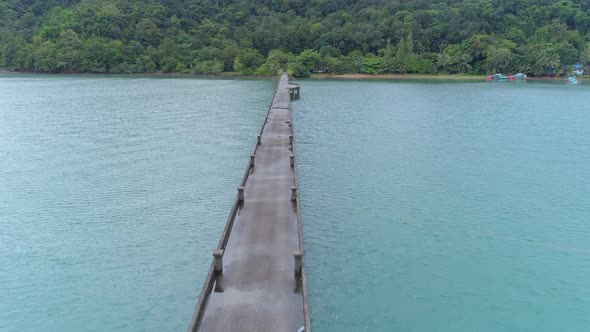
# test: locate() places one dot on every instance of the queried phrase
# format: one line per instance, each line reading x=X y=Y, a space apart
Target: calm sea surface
x=113 y=194
x=426 y=206
x=446 y=206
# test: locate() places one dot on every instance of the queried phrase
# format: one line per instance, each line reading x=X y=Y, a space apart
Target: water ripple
x=445 y=206
x=113 y=192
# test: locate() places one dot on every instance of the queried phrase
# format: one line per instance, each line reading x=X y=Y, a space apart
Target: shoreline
x=398 y=76
x=156 y=74
x=427 y=77
x=230 y=75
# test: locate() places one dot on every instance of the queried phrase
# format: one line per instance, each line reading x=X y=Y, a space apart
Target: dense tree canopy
x=538 y=37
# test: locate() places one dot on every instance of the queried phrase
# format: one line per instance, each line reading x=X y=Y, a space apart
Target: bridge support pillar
x=298 y=255
x=241 y=194
x=252 y=161
x=292 y=160
x=259 y=140
x=293 y=193
x=290 y=139
x=218 y=260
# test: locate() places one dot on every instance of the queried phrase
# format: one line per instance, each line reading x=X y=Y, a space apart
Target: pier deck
x=253 y=284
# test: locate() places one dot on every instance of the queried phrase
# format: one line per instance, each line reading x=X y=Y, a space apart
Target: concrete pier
x=257 y=280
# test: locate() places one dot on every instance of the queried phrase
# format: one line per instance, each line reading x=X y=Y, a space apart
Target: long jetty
x=257 y=279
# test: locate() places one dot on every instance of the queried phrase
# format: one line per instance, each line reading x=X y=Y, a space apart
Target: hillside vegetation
x=538 y=37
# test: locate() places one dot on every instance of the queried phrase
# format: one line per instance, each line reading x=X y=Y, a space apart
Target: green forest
x=537 y=37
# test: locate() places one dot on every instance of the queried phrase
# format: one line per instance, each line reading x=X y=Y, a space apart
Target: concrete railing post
x=298 y=255
x=259 y=141
x=293 y=193
x=218 y=260
x=252 y=157
x=241 y=194
x=292 y=160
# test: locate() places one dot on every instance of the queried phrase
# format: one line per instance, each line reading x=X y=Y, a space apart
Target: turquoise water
x=446 y=206
x=426 y=206
x=113 y=193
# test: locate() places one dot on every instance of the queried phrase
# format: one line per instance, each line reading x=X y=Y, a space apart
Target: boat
x=519 y=76
x=573 y=80
x=497 y=77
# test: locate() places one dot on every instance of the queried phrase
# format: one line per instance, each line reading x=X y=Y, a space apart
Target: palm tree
x=548 y=61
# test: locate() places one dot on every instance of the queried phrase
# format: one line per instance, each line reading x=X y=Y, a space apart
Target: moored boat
x=497 y=77
x=573 y=80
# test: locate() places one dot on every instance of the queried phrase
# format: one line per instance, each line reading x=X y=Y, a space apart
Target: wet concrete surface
x=260 y=290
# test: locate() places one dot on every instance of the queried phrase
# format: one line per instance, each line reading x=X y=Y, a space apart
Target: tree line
x=537 y=37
